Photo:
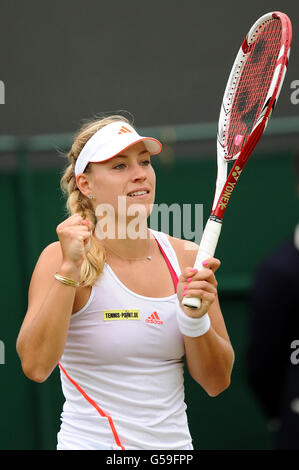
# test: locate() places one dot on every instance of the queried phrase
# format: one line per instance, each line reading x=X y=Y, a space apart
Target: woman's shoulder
x=185 y=250
x=49 y=261
x=52 y=251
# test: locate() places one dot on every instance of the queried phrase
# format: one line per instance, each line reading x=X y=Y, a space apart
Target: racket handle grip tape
x=206 y=250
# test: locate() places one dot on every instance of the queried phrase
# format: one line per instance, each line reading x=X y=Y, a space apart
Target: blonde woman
x=108 y=309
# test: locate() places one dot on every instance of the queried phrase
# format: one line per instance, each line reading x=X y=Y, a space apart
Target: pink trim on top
x=172 y=271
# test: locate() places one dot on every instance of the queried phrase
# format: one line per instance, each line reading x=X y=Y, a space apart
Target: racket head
x=255 y=81
x=250 y=95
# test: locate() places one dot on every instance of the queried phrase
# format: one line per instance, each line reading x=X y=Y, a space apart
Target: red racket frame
x=237 y=168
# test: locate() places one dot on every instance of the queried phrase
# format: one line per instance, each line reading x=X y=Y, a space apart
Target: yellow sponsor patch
x=121 y=315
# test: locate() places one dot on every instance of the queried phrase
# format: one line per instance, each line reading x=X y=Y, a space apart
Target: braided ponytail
x=76 y=202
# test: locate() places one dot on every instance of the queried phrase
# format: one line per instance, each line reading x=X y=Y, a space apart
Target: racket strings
x=255 y=77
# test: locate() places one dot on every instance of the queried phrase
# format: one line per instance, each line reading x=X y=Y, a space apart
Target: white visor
x=109 y=141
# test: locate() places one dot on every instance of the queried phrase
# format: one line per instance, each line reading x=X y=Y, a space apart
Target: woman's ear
x=83 y=183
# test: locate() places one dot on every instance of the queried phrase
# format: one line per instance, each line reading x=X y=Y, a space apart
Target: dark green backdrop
x=164 y=63
x=263 y=212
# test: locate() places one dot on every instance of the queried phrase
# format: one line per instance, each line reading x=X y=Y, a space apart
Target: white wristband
x=193 y=326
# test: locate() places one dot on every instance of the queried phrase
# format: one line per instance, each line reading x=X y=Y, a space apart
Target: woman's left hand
x=202 y=284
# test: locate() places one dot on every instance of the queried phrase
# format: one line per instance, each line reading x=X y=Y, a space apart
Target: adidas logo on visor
x=124 y=130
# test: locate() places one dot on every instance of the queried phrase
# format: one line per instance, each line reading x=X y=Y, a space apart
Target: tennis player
x=108 y=309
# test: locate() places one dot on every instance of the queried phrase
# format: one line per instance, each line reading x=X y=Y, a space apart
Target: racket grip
x=206 y=250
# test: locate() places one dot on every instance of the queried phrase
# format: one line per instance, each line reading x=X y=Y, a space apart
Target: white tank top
x=122 y=369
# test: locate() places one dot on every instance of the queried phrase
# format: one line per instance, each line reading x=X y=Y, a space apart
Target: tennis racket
x=250 y=96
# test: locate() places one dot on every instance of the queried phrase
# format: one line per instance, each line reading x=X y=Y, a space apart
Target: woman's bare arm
x=43 y=334
x=209 y=357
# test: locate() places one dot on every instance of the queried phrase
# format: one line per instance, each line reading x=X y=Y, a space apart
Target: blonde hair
x=93 y=264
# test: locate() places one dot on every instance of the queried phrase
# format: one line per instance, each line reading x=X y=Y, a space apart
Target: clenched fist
x=74 y=235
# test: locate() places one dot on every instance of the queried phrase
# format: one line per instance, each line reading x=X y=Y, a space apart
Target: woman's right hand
x=74 y=235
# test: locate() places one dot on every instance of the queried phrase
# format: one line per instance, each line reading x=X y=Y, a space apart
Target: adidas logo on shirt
x=154 y=318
